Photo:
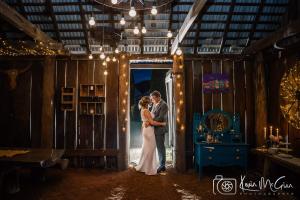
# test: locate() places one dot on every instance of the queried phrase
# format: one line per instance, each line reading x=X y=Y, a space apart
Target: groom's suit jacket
x=160 y=112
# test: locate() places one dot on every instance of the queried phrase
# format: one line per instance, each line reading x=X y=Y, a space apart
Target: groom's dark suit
x=160 y=112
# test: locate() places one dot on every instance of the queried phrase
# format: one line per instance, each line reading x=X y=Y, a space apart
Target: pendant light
x=169 y=34
x=132 y=12
x=122 y=20
x=117 y=50
x=154 y=10
x=114 y=59
x=114 y=2
x=92 y=21
x=136 y=30
x=91 y=56
x=144 y=30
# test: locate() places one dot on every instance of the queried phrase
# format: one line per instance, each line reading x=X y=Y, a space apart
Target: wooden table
x=34 y=158
x=292 y=163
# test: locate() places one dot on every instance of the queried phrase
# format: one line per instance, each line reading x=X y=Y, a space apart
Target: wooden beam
x=188 y=22
x=227 y=25
x=53 y=18
x=285 y=31
x=17 y=20
x=84 y=26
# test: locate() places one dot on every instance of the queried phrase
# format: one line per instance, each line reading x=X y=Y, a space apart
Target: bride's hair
x=144 y=102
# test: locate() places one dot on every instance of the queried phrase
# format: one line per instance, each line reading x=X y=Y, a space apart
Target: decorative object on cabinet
x=67 y=99
x=217 y=140
x=290 y=95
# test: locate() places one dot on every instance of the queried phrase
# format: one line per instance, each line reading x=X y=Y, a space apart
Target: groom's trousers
x=161 y=149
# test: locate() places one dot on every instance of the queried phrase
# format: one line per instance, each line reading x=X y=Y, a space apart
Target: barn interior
x=72 y=73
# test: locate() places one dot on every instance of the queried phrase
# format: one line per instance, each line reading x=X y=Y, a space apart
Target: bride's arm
x=147 y=114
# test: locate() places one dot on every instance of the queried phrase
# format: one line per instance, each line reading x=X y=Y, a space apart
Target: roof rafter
x=17 y=20
x=188 y=22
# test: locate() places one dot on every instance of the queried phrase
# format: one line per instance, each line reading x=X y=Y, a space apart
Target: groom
x=160 y=111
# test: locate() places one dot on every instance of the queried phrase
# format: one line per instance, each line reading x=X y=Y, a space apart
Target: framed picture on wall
x=215 y=83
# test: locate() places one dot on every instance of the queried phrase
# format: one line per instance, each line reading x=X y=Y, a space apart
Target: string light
x=114 y=1
x=117 y=50
x=136 y=30
x=102 y=56
x=105 y=73
x=132 y=12
x=144 y=30
x=154 y=10
x=107 y=59
x=114 y=59
x=169 y=34
x=122 y=21
x=90 y=56
x=92 y=21
x=178 y=51
x=104 y=63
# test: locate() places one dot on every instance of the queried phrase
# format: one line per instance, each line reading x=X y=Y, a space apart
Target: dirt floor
x=95 y=184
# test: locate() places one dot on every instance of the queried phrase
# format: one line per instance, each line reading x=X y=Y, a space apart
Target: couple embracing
x=153 y=132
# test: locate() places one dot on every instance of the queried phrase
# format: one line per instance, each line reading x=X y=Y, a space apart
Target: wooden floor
x=94 y=184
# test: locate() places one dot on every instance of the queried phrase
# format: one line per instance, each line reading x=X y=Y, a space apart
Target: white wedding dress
x=148 y=161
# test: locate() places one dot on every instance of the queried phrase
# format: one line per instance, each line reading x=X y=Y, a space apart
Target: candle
x=265 y=133
x=277 y=133
x=271 y=130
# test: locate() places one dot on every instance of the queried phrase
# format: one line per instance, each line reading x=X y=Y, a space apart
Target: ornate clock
x=290 y=95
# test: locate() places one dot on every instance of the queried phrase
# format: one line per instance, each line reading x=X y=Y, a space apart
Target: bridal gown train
x=148 y=161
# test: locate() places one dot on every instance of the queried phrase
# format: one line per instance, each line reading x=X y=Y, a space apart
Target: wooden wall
x=240 y=99
x=30 y=115
x=81 y=132
x=275 y=68
x=20 y=109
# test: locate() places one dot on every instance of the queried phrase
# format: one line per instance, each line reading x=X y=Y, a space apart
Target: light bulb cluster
x=136 y=30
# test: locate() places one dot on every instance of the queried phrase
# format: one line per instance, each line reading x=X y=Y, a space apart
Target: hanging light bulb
x=117 y=50
x=154 y=10
x=105 y=73
x=169 y=34
x=92 y=21
x=104 y=63
x=107 y=59
x=90 y=56
x=144 y=30
x=102 y=56
x=178 y=51
x=122 y=21
x=114 y=59
x=136 y=30
x=132 y=12
x=114 y=1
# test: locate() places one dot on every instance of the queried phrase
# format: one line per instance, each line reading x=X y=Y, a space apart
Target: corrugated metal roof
x=222 y=22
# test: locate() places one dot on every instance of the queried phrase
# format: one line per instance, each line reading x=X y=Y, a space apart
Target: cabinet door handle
x=237 y=150
x=209 y=158
x=210 y=148
x=237 y=157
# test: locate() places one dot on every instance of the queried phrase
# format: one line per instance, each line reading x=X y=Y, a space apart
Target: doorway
x=144 y=80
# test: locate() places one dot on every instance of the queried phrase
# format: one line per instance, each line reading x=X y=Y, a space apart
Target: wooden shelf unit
x=91 y=108
x=92 y=90
x=67 y=99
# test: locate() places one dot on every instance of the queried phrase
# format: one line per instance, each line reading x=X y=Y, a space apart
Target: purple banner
x=215 y=83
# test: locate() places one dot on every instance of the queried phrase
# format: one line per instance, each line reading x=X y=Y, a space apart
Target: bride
x=148 y=161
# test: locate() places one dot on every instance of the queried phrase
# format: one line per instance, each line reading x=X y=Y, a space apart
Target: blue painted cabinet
x=229 y=150
x=220 y=155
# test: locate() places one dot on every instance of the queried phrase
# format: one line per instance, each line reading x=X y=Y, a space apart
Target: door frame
x=123 y=107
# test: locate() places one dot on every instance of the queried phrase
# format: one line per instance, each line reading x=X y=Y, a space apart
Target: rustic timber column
x=260 y=100
x=123 y=111
x=179 y=97
x=47 y=102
